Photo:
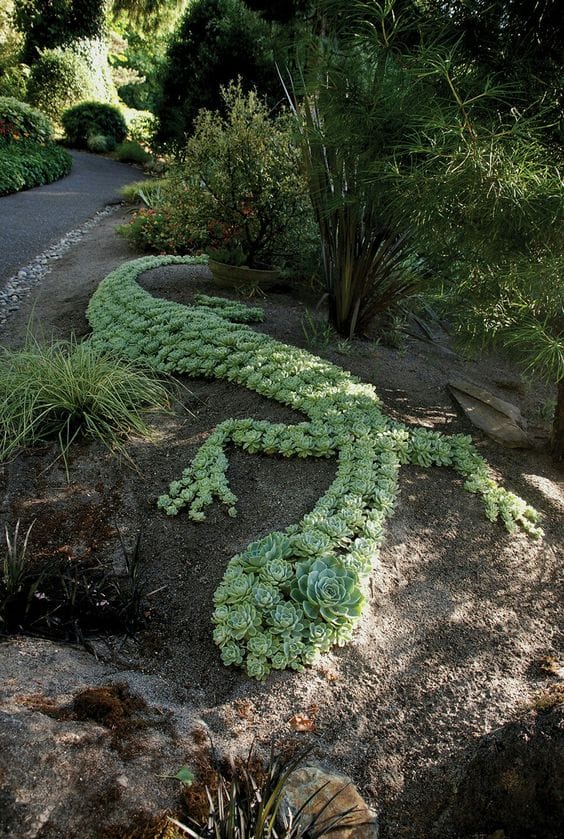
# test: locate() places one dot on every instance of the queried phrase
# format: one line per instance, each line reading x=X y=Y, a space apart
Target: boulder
x=497 y=418
x=330 y=795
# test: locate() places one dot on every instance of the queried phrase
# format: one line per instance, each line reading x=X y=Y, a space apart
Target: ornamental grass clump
x=66 y=389
x=294 y=594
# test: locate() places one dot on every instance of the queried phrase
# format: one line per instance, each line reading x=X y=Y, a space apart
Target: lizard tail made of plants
x=292 y=594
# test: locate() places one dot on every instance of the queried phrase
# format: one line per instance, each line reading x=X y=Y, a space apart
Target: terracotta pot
x=236 y=276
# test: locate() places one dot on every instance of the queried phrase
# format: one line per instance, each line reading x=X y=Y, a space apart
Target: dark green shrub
x=25 y=164
x=90 y=118
x=13 y=81
x=217 y=41
x=20 y=121
x=130 y=151
x=46 y=24
x=59 y=79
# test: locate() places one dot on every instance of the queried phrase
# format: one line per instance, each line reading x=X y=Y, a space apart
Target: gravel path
x=34 y=220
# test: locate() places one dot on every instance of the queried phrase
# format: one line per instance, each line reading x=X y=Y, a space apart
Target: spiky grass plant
x=14 y=564
x=66 y=389
x=250 y=805
x=67 y=596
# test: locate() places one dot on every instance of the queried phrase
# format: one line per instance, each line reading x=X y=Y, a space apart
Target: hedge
x=25 y=164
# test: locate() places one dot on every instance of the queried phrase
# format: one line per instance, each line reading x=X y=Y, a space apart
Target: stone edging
x=17 y=287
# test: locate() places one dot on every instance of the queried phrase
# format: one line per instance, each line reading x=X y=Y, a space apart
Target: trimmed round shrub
x=90 y=118
x=19 y=121
x=59 y=78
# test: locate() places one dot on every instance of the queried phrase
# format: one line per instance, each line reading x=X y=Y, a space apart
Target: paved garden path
x=32 y=220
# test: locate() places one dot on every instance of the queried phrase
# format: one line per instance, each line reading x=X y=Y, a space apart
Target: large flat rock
x=500 y=420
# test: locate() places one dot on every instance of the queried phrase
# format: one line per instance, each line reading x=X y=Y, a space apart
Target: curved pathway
x=32 y=220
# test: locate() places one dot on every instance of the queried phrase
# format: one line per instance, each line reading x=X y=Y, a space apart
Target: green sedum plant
x=290 y=595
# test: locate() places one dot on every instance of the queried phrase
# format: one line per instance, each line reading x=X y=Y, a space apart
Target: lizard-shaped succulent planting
x=293 y=594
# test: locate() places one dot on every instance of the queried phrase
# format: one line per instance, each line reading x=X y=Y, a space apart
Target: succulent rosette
x=241 y=620
x=235 y=588
x=277 y=572
x=263 y=644
x=326 y=589
x=311 y=543
x=287 y=619
x=265 y=596
x=320 y=635
x=231 y=653
x=274 y=546
x=257 y=667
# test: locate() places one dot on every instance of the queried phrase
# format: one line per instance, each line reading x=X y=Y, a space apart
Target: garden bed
x=459 y=615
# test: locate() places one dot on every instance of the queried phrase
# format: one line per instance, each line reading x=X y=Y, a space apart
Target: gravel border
x=18 y=287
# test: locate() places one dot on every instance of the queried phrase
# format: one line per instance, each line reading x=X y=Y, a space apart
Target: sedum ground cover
x=291 y=595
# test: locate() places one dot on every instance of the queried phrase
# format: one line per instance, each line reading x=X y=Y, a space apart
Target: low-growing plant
x=291 y=595
x=159 y=231
x=14 y=565
x=100 y=144
x=65 y=390
x=130 y=151
x=88 y=118
x=25 y=164
x=150 y=192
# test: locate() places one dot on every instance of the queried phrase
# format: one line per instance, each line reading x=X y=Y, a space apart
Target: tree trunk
x=558 y=426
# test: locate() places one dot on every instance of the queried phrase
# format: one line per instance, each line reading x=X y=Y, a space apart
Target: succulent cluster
x=291 y=595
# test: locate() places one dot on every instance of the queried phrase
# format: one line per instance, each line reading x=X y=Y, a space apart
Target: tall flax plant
x=348 y=124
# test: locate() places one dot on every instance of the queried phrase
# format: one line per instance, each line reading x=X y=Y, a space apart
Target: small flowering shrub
x=158 y=230
x=294 y=594
x=240 y=182
x=19 y=121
